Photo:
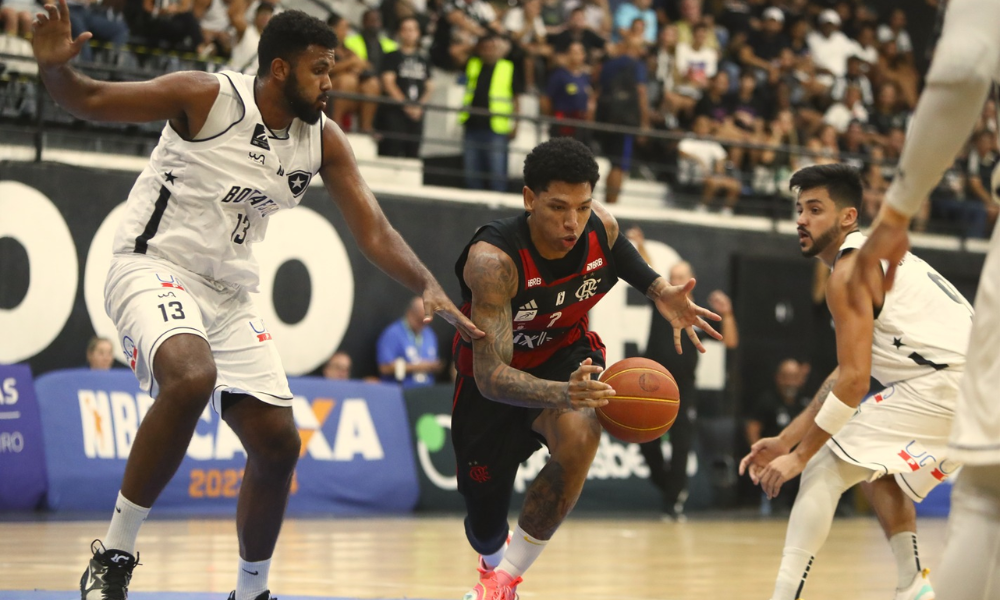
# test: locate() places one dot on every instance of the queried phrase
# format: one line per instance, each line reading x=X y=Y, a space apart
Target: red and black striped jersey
x=549 y=310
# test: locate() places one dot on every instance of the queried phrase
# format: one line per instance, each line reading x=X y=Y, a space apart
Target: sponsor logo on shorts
x=261 y=332
x=479 y=473
x=170 y=282
x=916 y=456
x=131 y=351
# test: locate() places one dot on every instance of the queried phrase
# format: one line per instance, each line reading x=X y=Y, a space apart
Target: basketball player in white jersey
x=912 y=340
x=235 y=150
x=965 y=63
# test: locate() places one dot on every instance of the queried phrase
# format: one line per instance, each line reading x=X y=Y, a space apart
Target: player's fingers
x=708 y=329
x=677 y=341
x=63 y=10
x=81 y=40
x=704 y=312
x=694 y=339
x=755 y=474
x=743 y=464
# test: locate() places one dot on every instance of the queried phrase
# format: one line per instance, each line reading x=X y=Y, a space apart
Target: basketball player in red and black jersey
x=528 y=282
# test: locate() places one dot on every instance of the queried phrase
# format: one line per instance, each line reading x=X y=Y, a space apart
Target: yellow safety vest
x=501 y=93
x=356 y=44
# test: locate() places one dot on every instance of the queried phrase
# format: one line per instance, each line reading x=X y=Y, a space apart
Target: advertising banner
x=356 y=453
x=618 y=479
x=22 y=455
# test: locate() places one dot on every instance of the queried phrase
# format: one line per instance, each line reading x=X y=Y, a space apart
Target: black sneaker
x=265 y=595
x=108 y=574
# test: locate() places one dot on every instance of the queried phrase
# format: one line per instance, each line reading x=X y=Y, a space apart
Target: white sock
x=492 y=560
x=251 y=581
x=824 y=480
x=795 y=567
x=523 y=551
x=125 y=523
x=904 y=548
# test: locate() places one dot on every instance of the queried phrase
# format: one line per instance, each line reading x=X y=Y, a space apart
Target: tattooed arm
x=765 y=450
x=492 y=277
x=796 y=430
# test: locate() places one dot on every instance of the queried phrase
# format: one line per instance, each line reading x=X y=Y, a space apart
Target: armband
x=834 y=414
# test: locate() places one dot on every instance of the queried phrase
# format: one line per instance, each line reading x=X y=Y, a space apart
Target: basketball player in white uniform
x=235 y=150
x=912 y=340
x=965 y=63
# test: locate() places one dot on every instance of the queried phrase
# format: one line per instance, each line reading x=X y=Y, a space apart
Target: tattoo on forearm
x=546 y=503
x=825 y=389
x=493 y=280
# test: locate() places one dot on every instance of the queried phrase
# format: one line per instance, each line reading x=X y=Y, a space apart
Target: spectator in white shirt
x=895 y=31
x=244 y=56
x=851 y=108
x=697 y=63
x=702 y=167
x=830 y=47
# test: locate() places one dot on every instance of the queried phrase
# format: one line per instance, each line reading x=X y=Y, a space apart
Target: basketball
x=645 y=402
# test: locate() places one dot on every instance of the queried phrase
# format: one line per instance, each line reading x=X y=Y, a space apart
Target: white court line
x=10 y=415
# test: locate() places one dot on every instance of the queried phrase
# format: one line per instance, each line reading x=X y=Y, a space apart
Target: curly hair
x=560 y=159
x=289 y=34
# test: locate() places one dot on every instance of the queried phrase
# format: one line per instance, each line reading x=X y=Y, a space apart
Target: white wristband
x=834 y=414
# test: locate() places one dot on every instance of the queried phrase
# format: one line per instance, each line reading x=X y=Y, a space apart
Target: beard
x=820 y=243
x=303 y=109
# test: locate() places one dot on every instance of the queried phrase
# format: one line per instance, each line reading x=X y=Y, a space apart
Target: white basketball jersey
x=203 y=204
x=924 y=324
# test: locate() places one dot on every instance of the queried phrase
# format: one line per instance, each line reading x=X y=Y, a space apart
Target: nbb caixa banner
x=356 y=451
x=22 y=460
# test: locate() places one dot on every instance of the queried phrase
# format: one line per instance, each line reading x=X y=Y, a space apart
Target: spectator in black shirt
x=406 y=74
x=671 y=478
x=713 y=104
x=887 y=114
x=982 y=161
x=764 y=47
x=577 y=31
x=776 y=408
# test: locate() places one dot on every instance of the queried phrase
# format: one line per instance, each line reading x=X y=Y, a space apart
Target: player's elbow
x=853 y=385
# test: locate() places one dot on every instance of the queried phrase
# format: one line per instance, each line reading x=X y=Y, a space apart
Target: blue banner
x=356 y=451
x=22 y=456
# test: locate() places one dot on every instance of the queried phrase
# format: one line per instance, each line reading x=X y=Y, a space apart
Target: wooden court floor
x=428 y=557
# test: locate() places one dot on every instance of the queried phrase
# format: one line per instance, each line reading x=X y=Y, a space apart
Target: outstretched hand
x=52 y=40
x=584 y=392
x=436 y=301
x=675 y=304
x=761 y=454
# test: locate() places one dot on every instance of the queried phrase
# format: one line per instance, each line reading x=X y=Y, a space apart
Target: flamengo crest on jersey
x=924 y=324
x=548 y=312
x=202 y=205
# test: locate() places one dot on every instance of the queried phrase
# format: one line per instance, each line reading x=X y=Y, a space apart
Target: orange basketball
x=645 y=402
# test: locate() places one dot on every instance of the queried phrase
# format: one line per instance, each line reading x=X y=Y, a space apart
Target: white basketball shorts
x=151 y=300
x=903 y=431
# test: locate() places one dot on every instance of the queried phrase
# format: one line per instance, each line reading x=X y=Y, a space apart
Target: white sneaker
x=920 y=589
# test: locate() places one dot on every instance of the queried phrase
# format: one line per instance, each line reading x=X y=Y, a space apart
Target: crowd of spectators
x=726 y=98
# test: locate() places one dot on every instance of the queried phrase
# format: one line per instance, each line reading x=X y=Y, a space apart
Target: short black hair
x=842 y=182
x=289 y=34
x=264 y=6
x=334 y=19
x=560 y=159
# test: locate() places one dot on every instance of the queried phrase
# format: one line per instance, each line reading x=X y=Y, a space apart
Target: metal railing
x=50 y=126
